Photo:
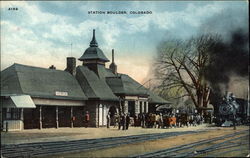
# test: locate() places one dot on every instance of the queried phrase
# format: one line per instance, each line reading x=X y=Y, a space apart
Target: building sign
x=58 y=93
x=131 y=97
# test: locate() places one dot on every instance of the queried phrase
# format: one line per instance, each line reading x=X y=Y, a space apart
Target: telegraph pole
x=71 y=50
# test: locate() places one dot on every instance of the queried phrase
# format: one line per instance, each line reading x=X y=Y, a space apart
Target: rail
x=60 y=147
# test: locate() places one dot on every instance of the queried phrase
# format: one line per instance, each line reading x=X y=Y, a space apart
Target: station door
x=131 y=108
x=31 y=118
x=48 y=116
x=64 y=116
x=78 y=113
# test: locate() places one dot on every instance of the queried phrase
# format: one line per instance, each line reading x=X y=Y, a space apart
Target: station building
x=34 y=97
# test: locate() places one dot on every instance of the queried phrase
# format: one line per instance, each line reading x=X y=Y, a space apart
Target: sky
x=40 y=33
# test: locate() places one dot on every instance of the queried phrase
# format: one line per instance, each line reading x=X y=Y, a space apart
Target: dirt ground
x=150 y=146
x=62 y=134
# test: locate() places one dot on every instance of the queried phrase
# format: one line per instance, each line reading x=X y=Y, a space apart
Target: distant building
x=33 y=97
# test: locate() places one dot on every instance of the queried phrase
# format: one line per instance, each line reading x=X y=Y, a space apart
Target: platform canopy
x=19 y=101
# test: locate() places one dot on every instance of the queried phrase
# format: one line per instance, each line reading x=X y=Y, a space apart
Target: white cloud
x=31 y=12
x=109 y=30
x=7 y=4
x=138 y=24
x=22 y=44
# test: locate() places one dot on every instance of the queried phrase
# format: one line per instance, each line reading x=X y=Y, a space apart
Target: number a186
x=13 y=9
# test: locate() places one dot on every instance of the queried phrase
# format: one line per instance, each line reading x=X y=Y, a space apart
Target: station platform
x=67 y=134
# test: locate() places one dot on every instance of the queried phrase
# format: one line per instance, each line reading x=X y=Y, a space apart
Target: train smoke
x=229 y=58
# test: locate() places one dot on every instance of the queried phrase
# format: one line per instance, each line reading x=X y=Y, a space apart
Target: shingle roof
x=93 y=86
x=40 y=82
x=154 y=98
x=109 y=73
x=124 y=84
x=116 y=85
x=104 y=72
x=10 y=82
x=92 y=53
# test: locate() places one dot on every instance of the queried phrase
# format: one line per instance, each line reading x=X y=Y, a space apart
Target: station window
x=13 y=113
x=8 y=113
x=141 y=107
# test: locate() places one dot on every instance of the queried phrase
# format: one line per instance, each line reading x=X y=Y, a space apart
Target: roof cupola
x=93 y=53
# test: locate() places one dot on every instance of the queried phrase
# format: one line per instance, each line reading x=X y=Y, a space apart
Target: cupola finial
x=93 y=42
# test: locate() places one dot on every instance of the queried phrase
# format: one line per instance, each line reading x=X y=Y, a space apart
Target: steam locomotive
x=232 y=110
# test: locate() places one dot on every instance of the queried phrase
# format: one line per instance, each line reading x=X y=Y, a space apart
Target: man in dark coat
x=127 y=120
x=119 y=120
x=123 y=122
x=143 y=120
x=147 y=120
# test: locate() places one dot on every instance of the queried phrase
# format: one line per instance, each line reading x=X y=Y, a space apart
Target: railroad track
x=229 y=142
x=52 y=148
x=229 y=145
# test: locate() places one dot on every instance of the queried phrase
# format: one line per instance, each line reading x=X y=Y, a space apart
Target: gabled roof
x=124 y=84
x=40 y=82
x=109 y=73
x=153 y=98
x=104 y=72
x=93 y=86
x=116 y=85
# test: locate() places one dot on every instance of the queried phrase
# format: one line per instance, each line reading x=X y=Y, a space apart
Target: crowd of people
x=152 y=120
x=121 y=121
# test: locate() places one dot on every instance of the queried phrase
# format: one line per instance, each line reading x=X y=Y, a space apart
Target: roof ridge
x=36 y=67
x=98 y=82
x=122 y=74
x=15 y=69
x=44 y=82
x=93 y=89
x=122 y=84
x=86 y=79
x=113 y=77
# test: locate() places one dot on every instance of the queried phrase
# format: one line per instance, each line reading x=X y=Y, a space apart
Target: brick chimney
x=71 y=65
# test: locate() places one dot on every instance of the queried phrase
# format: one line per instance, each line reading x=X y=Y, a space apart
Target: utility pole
x=71 y=50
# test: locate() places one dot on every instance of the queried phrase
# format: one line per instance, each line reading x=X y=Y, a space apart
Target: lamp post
x=234 y=116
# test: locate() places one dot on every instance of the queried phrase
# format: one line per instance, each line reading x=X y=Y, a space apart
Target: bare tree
x=180 y=66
